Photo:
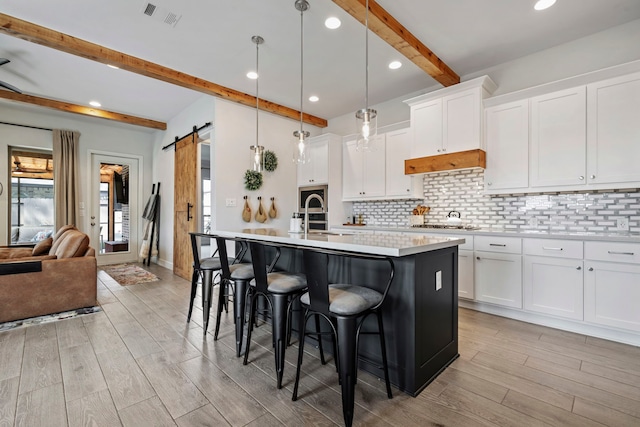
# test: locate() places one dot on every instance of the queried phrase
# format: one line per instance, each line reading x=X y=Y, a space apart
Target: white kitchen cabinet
x=363 y=171
x=558 y=139
x=465 y=274
x=507 y=141
x=498 y=270
x=613 y=133
x=449 y=120
x=398 y=149
x=316 y=171
x=553 y=286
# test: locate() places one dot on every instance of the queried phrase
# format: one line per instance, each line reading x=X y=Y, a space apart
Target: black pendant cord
x=25 y=126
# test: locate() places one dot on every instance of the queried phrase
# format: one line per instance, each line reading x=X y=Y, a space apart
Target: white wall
x=611 y=47
x=95 y=134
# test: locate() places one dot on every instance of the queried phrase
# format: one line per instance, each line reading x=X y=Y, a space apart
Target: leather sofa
x=58 y=274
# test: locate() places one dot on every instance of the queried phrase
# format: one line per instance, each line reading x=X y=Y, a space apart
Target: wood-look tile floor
x=138 y=363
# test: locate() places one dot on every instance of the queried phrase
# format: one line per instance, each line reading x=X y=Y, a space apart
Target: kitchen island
x=421 y=310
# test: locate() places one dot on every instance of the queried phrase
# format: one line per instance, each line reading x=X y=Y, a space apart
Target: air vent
x=161 y=14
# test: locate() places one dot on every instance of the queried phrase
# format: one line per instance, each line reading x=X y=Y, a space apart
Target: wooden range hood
x=445 y=162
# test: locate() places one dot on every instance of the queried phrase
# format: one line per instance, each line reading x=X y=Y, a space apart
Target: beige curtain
x=65 y=176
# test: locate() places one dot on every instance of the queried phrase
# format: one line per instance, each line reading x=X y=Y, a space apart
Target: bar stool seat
x=213 y=263
x=284 y=283
x=243 y=271
x=348 y=300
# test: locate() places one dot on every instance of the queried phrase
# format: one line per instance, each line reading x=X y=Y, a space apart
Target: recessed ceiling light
x=252 y=75
x=113 y=66
x=544 y=4
x=332 y=23
x=95 y=104
x=314 y=98
x=394 y=65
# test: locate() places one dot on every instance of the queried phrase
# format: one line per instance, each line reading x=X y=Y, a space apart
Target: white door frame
x=136 y=166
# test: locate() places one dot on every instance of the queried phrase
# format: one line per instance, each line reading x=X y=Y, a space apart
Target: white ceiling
x=212 y=40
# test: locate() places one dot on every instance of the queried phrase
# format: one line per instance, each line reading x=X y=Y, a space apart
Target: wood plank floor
x=138 y=363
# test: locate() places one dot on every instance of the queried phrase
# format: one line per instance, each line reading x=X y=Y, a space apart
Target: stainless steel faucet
x=306 y=211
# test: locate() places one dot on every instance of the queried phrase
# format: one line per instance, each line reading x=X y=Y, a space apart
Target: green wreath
x=252 y=180
x=270 y=161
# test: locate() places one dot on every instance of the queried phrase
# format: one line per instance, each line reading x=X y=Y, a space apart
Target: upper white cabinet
x=507 y=140
x=449 y=120
x=398 y=149
x=558 y=138
x=316 y=171
x=363 y=171
x=613 y=132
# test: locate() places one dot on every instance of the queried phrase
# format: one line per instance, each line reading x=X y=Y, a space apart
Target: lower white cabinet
x=465 y=274
x=498 y=278
x=553 y=286
x=612 y=294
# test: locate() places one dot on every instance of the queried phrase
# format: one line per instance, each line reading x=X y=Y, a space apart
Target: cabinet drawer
x=612 y=251
x=508 y=245
x=554 y=248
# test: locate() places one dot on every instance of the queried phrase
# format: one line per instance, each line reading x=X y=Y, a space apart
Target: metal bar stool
x=280 y=289
x=345 y=307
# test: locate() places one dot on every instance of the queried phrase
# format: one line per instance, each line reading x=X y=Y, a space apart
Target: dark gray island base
x=420 y=316
x=420 y=313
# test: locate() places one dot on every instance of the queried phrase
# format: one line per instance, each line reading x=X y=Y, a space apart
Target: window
x=32 y=207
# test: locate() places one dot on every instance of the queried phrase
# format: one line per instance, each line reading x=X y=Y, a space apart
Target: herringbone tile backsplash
x=463 y=191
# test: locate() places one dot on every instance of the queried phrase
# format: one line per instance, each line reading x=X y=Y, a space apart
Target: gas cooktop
x=447 y=226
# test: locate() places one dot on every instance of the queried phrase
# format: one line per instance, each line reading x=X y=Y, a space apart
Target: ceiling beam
x=81 y=109
x=44 y=36
x=390 y=30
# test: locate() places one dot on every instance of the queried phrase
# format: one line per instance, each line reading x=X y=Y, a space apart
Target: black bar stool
x=239 y=275
x=205 y=269
x=345 y=307
x=280 y=289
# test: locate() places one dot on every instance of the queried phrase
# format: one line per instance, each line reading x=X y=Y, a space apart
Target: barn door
x=185 y=203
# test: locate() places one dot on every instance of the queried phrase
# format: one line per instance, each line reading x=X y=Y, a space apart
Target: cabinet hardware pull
x=578 y=268
x=495 y=259
x=620 y=253
x=489 y=183
x=547 y=248
x=592 y=177
x=590 y=268
x=581 y=177
x=498 y=244
x=189 y=216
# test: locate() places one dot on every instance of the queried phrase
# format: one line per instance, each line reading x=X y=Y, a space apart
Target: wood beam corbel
x=393 y=32
x=46 y=37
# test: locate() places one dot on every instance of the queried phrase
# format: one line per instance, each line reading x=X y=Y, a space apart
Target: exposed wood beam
x=390 y=30
x=81 y=109
x=44 y=36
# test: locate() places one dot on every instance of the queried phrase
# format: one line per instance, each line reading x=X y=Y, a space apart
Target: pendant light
x=257 y=161
x=366 y=118
x=300 y=153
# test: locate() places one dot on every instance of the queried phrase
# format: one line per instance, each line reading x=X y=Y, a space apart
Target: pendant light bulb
x=366 y=118
x=257 y=161
x=300 y=154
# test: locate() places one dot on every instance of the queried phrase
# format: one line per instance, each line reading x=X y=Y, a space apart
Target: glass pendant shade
x=257 y=157
x=300 y=151
x=367 y=125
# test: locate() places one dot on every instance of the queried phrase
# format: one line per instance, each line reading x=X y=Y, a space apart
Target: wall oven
x=317 y=215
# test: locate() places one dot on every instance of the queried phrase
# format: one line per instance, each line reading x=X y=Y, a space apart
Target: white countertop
x=389 y=244
x=542 y=234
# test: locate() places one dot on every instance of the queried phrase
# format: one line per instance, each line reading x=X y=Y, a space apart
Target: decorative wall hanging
x=270 y=161
x=246 y=210
x=273 y=212
x=261 y=214
x=252 y=180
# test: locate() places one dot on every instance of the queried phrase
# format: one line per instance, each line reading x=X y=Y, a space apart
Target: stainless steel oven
x=317 y=214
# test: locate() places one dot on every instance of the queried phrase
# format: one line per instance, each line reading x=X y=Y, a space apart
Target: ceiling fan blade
x=4 y=61
x=10 y=87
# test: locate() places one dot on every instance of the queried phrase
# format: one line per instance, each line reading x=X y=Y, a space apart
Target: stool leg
x=194 y=288
x=207 y=285
x=347 y=358
x=383 y=348
x=221 y=296
x=303 y=326
x=279 y=331
x=324 y=362
x=252 y=314
x=239 y=300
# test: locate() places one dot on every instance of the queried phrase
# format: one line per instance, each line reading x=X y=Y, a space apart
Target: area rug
x=49 y=318
x=129 y=274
